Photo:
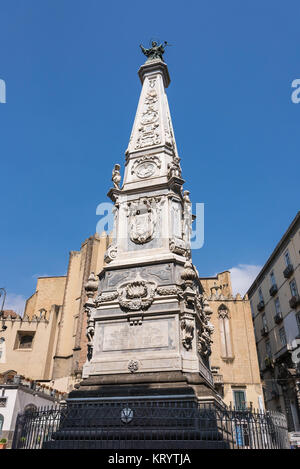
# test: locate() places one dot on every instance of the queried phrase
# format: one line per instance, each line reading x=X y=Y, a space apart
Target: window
x=282 y=336
x=75 y=322
x=264 y=321
x=268 y=349
x=239 y=400
x=1 y=422
x=287 y=258
x=277 y=306
x=272 y=278
x=224 y=327
x=24 y=340
x=260 y=295
x=293 y=287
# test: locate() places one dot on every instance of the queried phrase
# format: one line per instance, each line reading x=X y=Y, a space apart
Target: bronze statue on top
x=156 y=51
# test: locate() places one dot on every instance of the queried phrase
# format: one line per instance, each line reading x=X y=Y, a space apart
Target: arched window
x=225 y=335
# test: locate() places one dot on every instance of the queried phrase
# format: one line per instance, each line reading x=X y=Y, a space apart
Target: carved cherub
x=116 y=176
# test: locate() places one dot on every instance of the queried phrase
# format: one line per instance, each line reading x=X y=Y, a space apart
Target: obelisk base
x=163 y=410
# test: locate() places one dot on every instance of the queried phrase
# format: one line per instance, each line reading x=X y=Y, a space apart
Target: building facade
x=234 y=360
x=30 y=346
x=18 y=395
x=48 y=343
x=275 y=304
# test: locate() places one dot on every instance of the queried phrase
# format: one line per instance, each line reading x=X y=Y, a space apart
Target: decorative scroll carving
x=205 y=328
x=187 y=219
x=178 y=246
x=187 y=328
x=104 y=297
x=162 y=272
x=146 y=166
x=151 y=97
x=110 y=254
x=136 y=295
x=164 y=291
x=90 y=331
x=148 y=130
x=90 y=287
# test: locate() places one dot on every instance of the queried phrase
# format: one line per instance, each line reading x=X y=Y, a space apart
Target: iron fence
x=148 y=425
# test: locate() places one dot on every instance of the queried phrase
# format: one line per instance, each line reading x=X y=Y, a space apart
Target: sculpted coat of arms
x=142 y=221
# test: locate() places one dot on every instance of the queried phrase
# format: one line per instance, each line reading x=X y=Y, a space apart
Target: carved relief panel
x=149 y=129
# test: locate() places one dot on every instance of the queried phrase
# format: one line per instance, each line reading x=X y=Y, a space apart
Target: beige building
x=234 y=359
x=275 y=304
x=49 y=342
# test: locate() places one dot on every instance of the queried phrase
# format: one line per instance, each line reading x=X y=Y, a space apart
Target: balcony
x=264 y=331
x=261 y=305
x=278 y=318
x=294 y=301
x=288 y=271
x=273 y=290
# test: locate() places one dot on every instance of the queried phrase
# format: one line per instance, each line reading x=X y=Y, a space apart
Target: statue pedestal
x=150 y=411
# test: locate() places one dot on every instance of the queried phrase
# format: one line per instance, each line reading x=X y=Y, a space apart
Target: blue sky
x=70 y=68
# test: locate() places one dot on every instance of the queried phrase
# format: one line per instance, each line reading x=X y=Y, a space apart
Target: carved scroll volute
x=187 y=219
x=205 y=329
x=187 y=330
x=90 y=287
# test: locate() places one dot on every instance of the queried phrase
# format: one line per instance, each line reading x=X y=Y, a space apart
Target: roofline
x=53 y=276
x=214 y=277
x=275 y=252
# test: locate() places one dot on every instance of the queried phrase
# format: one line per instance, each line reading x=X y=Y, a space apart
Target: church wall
x=239 y=370
x=30 y=308
x=30 y=362
x=49 y=291
x=65 y=341
x=71 y=347
x=95 y=264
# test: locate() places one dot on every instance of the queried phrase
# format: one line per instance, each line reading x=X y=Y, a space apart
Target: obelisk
x=148 y=321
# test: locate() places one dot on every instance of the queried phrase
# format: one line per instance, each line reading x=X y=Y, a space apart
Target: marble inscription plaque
x=151 y=334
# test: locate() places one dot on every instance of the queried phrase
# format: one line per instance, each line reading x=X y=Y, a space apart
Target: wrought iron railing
x=143 y=425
